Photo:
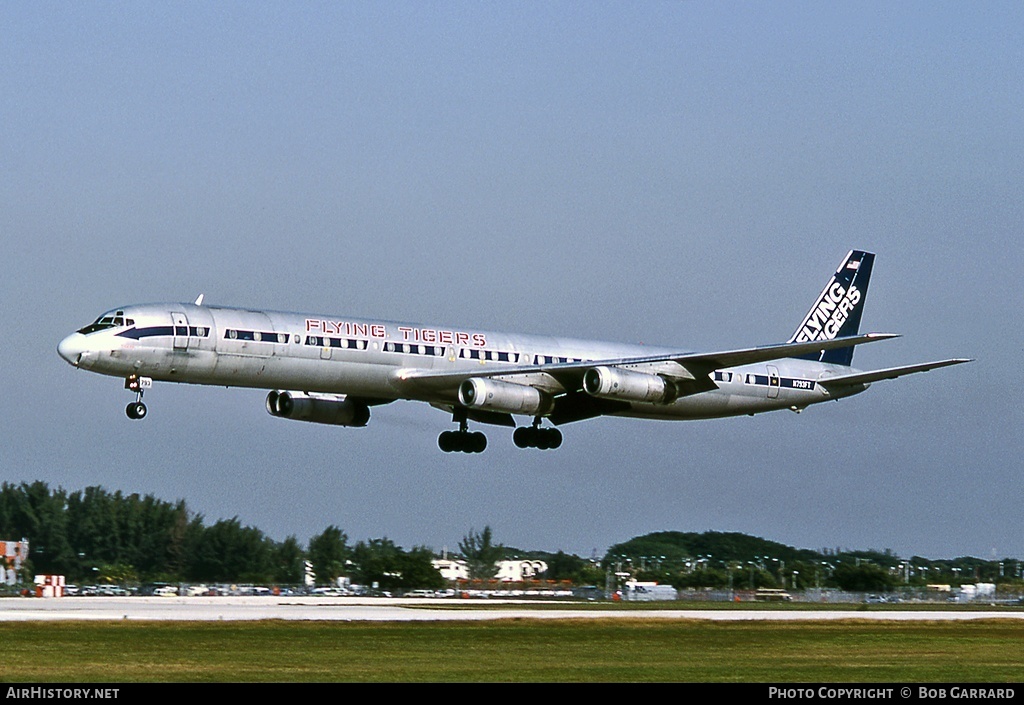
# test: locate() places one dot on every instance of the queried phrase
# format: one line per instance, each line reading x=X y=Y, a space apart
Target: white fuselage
x=368 y=359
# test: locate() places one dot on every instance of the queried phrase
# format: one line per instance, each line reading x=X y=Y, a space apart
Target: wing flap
x=579 y=406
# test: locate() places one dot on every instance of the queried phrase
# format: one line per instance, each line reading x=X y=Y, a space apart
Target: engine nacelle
x=338 y=411
x=495 y=395
x=625 y=385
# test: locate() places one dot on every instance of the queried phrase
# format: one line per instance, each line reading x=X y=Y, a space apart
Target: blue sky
x=683 y=173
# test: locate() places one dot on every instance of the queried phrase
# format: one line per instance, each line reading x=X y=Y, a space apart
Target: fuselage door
x=180 y=330
x=774 y=382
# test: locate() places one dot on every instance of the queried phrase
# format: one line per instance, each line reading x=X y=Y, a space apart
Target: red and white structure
x=12 y=555
x=49 y=586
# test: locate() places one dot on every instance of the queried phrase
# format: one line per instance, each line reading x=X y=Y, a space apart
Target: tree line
x=96 y=536
x=742 y=562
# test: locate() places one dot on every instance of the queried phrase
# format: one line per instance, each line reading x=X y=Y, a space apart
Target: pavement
x=313 y=608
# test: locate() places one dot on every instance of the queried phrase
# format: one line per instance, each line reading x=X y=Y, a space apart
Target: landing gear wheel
x=462 y=442
x=477 y=443
x=556 y=439
x=521 y=437
x=536 y=437
x=136 y=410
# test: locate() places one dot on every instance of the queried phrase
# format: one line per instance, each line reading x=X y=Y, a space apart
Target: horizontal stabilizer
x=889 y=373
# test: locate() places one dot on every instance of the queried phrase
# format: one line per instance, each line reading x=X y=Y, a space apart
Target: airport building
x=516 y=571
x=508 y=571
x=451 y=570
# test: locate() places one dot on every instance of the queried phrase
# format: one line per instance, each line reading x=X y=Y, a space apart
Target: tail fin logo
x=826 y=318
x=837 y=310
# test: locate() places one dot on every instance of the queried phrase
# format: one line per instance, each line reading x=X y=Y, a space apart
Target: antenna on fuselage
x=199 y=301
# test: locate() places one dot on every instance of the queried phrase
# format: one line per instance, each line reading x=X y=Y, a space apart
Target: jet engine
x=494 y=395
x=329 y=409
x=624 y=385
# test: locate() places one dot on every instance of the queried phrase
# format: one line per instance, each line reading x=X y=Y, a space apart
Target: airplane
x=331 y=369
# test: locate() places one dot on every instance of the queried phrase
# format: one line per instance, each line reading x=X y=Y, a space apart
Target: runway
x=354 y=609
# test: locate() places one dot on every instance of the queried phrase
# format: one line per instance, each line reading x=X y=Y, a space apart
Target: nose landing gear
x=137 y=384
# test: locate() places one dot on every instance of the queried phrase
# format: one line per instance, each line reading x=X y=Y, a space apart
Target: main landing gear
x=134 y=383
x=537 y=437
x=463 y=440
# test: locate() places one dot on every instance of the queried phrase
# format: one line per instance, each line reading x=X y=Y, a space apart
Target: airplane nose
x=71 y=347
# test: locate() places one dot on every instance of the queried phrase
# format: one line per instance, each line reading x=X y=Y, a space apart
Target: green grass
x=514 y=650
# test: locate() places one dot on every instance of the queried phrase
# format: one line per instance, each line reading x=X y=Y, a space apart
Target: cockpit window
x=107 y=320
x=101 y=323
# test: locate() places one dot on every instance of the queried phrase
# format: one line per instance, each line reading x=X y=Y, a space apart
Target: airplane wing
x=693 y=367
x=888 y=373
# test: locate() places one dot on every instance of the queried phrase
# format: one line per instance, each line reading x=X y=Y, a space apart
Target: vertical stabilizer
x=837 y=311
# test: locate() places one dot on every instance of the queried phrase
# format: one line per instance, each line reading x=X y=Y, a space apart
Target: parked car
x=330 y=592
